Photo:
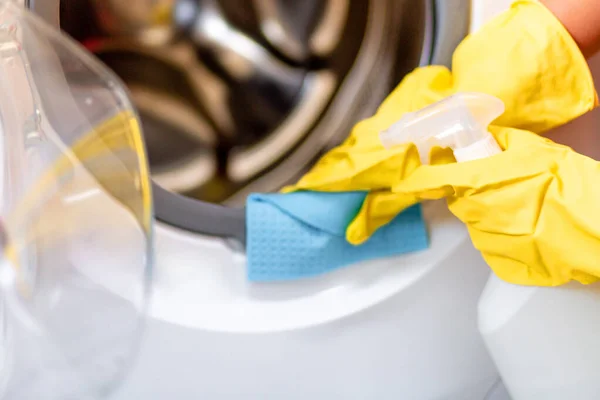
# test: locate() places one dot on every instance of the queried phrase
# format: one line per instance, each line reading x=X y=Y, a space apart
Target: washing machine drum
x=243 y=96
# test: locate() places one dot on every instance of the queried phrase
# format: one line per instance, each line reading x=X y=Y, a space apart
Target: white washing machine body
x=403 y=327
x=396 y=328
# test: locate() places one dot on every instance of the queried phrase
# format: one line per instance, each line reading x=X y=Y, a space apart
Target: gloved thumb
x=382 y=206
x=446 y=178
x=378 y=209
x=525 y=154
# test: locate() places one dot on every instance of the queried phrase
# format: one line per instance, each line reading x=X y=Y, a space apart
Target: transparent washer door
x=75 y=217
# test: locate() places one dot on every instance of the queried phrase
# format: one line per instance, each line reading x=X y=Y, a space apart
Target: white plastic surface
x=544 y=340
x=498 y=392
x=485 y=147
x=458 y=122
x=385 y=329
x=484 y=10
x=418 y=341
x=4 y=356
x=229 y=303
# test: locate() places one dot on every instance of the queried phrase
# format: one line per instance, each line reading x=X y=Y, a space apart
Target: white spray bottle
x=459 y=122
x=543 y=340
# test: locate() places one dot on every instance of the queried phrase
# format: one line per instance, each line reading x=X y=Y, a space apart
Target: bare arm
x=582 y=19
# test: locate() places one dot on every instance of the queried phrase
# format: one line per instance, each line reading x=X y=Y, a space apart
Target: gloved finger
x=338 y=170
x=361 y=171
x=381 y=207
x=351 y=165
x=444 y=178
x=378 y=209
x=521 y=160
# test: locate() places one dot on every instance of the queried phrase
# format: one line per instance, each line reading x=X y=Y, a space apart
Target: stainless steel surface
x=240 y=96
x=231 y=94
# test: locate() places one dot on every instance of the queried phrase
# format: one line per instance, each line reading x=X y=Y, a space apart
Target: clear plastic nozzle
x=459 y=122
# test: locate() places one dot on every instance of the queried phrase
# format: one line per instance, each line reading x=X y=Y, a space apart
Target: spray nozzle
x=459 y=122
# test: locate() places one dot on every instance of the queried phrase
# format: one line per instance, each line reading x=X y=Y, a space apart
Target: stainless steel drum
x=241 y=96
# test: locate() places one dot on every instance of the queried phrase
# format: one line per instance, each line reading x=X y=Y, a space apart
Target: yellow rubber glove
x=537 y=198
x=524 y=56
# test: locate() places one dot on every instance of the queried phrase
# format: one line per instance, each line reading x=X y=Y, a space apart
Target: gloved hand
x=537 y=198
x=524 y=56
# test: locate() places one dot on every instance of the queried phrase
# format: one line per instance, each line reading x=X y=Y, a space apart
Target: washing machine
x=241 y=96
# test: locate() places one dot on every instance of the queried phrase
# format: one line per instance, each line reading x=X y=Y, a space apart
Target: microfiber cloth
x=301 y=234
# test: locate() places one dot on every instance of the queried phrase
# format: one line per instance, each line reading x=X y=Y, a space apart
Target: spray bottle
x=458 y=122
x=543 y=340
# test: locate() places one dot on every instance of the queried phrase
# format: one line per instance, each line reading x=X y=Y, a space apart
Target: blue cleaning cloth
x=301 y=234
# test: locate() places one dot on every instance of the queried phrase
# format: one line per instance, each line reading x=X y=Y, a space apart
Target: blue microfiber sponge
x=302 y=234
